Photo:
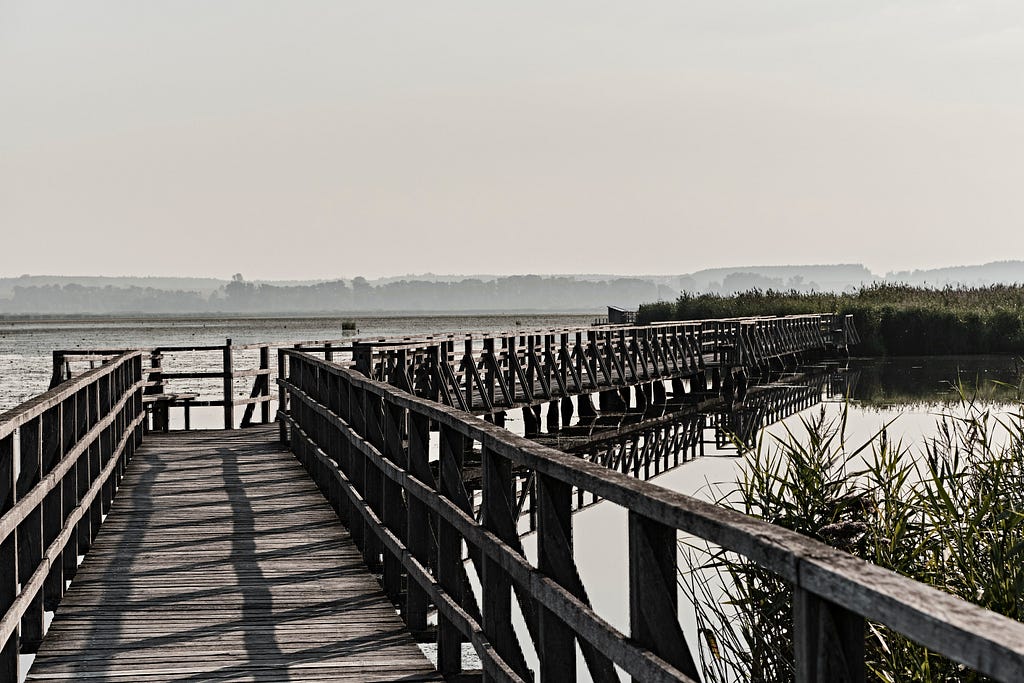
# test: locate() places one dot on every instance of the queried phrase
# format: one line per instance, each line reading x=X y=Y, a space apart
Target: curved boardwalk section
x=220 y=560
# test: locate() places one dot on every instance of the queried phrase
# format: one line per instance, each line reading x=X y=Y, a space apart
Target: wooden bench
x=157 y=407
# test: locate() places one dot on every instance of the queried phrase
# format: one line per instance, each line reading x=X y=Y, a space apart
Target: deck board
x=220 y=560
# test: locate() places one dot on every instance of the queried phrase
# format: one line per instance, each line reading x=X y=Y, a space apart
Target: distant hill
x=203 y=285
x=997 y=272
x=69 y=295
x=837 y=277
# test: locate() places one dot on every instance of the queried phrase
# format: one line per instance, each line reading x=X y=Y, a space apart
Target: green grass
x=891 y=319
x=949 y=514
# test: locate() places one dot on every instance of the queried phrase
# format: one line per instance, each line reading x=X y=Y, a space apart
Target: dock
x=379 y=504
x=220 y=560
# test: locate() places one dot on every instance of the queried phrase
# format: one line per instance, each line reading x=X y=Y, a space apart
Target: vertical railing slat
x=653 y=593
x=828 y=641
x=8 y=559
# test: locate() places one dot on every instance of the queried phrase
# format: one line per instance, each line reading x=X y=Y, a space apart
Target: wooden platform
x=221 y=561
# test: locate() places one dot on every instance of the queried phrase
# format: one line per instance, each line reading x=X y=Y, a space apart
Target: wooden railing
x=171 y=381
x=368 y=446
x=62 y=455
x=491 y=373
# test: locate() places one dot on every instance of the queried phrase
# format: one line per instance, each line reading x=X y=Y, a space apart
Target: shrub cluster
x=891 y=319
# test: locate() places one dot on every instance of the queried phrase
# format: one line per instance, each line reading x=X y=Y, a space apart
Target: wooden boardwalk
x=220 y=560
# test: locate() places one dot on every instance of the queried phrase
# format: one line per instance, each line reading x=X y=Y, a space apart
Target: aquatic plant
x=950 y=515
x=891 y=319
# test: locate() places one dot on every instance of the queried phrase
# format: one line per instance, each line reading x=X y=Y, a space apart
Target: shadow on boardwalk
x=221 y=561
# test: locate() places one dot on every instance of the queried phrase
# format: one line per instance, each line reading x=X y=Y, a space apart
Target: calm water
x=909 y=393
x=26 y=348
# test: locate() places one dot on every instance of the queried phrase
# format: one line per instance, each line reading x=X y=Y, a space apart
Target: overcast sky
x=332 y=139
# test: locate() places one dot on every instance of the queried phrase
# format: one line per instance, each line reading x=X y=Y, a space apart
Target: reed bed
x=892 y=319
x=949 y=513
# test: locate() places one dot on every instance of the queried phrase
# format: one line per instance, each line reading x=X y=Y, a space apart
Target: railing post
x=229 y=386
x=54 y=425
x=282 y=396
x=449 y=552
x=57 y=374
x=495 y=585
x=653 y=594
x=265 y=382
x=372 y=480
x=362 y=355
x=555 y=559
x=418 y=535
x=30 y=531
x=393 y=512
x=828 y=641
x=8 y=560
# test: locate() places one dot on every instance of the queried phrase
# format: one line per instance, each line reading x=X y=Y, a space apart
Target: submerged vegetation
x=949 y=514
x=891 y=319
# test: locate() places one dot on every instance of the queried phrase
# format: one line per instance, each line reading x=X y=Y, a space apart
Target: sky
x=301 y=139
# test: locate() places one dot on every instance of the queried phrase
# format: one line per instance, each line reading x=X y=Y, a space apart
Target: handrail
x=62 y=455
x=366 y=444
x=158 y=377
x=496 y=373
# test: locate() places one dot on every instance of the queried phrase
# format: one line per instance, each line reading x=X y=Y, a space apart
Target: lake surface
x=908 y=395
x=26 y=347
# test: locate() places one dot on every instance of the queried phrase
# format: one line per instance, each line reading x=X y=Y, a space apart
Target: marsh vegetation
x=891 y=319
x=948 y=512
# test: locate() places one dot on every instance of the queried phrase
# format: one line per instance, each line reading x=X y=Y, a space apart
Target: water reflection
x=652 y=440
x=932 y=381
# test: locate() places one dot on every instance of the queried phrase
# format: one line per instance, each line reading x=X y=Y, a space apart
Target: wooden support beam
x=653 y=594
x=828 y=641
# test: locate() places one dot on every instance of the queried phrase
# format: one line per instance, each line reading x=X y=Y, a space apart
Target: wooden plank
x=221 y=560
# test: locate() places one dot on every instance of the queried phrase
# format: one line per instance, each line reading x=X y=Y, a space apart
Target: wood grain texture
x=221 y=561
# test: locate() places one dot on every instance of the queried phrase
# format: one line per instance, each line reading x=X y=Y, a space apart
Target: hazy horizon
x=314 y=140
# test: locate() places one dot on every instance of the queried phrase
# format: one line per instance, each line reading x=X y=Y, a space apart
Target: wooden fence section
x=368 y=446
x=164 y=385
x=62 y=455
x=489 y=374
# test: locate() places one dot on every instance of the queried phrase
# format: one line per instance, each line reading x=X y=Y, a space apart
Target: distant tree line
x=521 y=292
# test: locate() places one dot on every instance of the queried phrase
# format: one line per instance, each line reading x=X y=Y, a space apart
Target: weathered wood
x=8 y=560
x=450 y=571
x=229 y=386
x=220 y=560
x=554 y=556
x=419 y=536
x=850 y=589
x=551 y=364
x=653 y=594
x=496 y=587
x=828 y=641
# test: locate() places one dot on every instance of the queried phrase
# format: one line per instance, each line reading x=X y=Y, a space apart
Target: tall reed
x=950 y=515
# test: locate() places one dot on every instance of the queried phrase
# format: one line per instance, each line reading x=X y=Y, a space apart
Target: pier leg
x=716 y=380
x=611 y=400
x=586 y=405
x=728 y=386
x=678 y=388
x=531 y=425
x=644 y=394
x=660 y=396
x=499 y=419
x=567 y=410
x=624 y=393
x=553 y=417
x=741 y=385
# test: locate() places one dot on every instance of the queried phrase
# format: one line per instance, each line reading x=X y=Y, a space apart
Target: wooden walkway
x=220 y=560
